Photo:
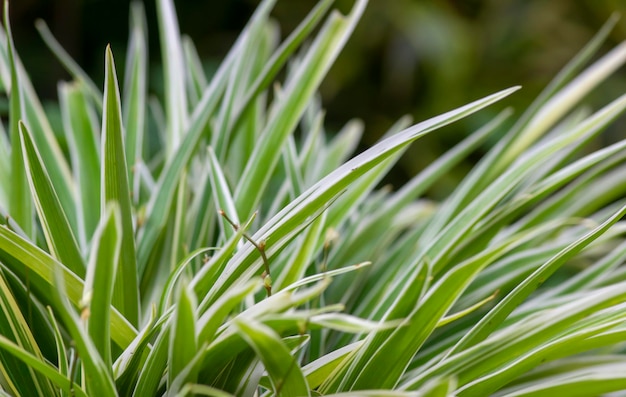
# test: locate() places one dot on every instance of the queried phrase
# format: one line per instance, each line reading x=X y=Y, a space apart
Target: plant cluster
x=216 y=241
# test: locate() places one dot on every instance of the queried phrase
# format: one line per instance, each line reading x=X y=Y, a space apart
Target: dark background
x=413 y=57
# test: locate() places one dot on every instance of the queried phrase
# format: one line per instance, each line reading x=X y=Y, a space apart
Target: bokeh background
x=416 y=57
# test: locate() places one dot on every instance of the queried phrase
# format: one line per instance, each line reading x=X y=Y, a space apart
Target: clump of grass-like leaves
x=185 y=245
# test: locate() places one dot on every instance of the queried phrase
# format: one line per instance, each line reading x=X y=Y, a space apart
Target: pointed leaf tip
x=108 y=52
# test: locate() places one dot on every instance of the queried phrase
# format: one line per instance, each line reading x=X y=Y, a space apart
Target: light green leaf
x=347 y=323
x=222 y=196
x=284 y=372
x=380 y=363
x=30 y=262
x=153 y=369
x=59 y=237
x=291 y=106
x=489 y=322
x=211 y=319
x=174 y=75
x=167 y=295
x=5 y=167
x=318 y=371
x=196 y=81
x=135 y=91
x=20 y=201
x=63 y=364
x=583 y=380
x=163 y=196
x=239 y=75
x=443 y=243
x=115 y=188
x=183 y=343
x=202 y=390
x=21 y=377
x=100 y=279
x=80 y=123
x=207 y=276
x=42 y=367
x=130 y=363
x=98 y=375
x=281 y=56
x=302 y=256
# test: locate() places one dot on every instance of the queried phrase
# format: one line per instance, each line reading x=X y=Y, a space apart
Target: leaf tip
x=109 y=54
x=40 y=24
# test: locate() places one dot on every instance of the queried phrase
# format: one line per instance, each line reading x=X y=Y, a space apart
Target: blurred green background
x=412 y=57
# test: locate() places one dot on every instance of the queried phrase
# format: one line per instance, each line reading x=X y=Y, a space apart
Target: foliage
x=217 y=242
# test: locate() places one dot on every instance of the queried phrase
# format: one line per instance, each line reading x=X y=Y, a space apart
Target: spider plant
x=216 y=240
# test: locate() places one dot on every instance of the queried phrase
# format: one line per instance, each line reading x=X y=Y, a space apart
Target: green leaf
x=196 y=82
x=291 y=106
x=167 y=295
x=154 y=367
x=163 y=196
x=345 y=143
x=290 y=163
x=33 y=264
x=279 y=230
x=202 y=390
x=100 y=279
x=63 y=366
x=239 y=76
x=208 y=275
x=174 y=75
x=42 y=367
x=211 y=319
x=130 y=363
x=499 y=313
x=20 y=376
x=135 y=91
x=177 y=236
x=183 y=343
x=98 y=375
x=57 y=231
x=5 y=167
x=380 y=363
x=591 y=275
x=550 y=335
x=20 y=201
x=567 y=97
x=222 y=196
x=280 y=57
x=115 y=188
x=492 y=165
x=437 y=247
x=422 y=181
x=284 y=372
x=589 y=379
x=80 y=123
x=489 y=168
x=318 y=371
x=302 y=256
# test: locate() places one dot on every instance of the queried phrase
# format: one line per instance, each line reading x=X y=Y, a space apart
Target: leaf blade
x=59 y=236
x=115 y=188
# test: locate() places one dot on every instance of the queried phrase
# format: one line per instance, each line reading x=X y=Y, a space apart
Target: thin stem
x=260 y=246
